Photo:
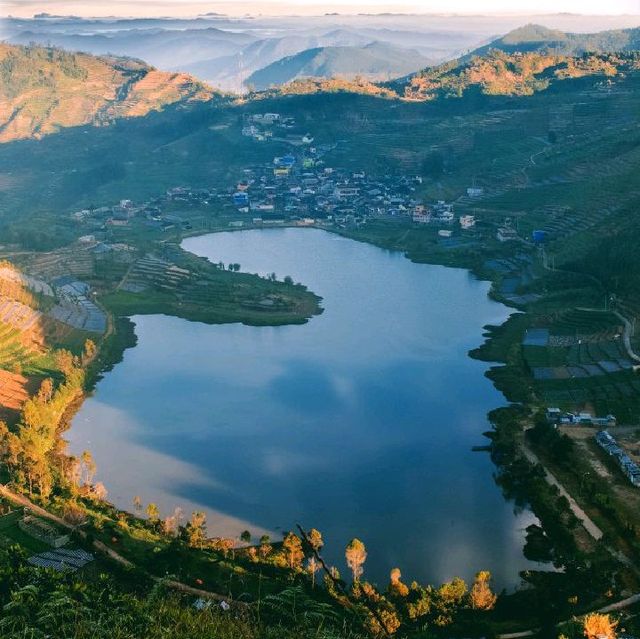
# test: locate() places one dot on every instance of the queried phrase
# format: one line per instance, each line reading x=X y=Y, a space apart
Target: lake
x=359 y=423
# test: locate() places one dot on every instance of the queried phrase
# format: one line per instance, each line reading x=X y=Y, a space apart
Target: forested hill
x=515 y=74
x=534 y=37
x=44 y=89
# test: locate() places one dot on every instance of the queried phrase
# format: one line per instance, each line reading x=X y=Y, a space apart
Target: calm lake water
x=359 y=423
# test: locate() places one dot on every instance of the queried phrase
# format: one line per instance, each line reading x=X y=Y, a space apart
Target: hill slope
x=45 y=89
x=500 y=73
x=373 y=61
x=534 y=37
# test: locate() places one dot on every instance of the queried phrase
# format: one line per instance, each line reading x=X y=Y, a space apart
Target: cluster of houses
x=263 y=127
x=295 y=188
x=627 y=465
x=301 y=188
x=100 y=220
x=304 y=188
x=441 y=214
x=557 y=416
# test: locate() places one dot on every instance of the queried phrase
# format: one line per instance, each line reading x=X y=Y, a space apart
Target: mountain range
x=225 y=52
x=375 y=61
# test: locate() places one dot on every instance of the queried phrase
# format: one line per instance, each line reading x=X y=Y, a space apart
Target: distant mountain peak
x=533 y=33
x=373 y=61
x=535 y=37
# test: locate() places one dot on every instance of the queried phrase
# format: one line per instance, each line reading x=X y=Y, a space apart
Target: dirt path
x=626 y=336
x=112 y=554
x=582 y=516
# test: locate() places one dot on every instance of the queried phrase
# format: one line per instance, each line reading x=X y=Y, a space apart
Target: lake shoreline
x=476 y=440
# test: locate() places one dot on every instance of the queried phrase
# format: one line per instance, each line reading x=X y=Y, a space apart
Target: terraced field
x=152 y=271
x=13 y=391
x=578 y=359
x=14 y=354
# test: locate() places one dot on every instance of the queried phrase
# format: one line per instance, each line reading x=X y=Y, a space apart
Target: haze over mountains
x=374 y=61
x=230 y=53
x=45 y=89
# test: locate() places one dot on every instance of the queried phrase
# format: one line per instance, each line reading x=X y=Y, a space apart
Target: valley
x=516 y=165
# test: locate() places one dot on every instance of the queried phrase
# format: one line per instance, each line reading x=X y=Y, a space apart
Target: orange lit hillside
x=43 y=90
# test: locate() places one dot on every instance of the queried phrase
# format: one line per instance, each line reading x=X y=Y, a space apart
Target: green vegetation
x=37 y=603
x=204 y=292
x=499 y=73
x=553 y=142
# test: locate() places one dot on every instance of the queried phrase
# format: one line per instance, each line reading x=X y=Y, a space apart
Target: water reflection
x=360 y=422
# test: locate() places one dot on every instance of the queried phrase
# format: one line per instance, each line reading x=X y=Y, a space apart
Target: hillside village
x=299 y=187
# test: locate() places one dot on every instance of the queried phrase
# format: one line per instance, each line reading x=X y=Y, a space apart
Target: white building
x=506 y=234
x=467 y=221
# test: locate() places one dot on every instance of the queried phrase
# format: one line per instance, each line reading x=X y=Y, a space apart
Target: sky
x=26 y=8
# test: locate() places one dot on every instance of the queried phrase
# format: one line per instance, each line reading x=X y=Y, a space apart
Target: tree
x=288 y=280
x=599 y=626
x=4 y=433
x=13 y=446
x=450 y=598
x=74 y=514
x=98 y=492
x=225 y=545
x=292 y=547
x=89 y=466
x=245 y=537
x=265 y=546
x=153 y=512
x=137 y=504
x=46 y=391
x=315 y=539
x=356 y=555
x=396 y=587
x=482 y=598
x=313 y=565
x=89 y=351
x=72 y=471
x=64 y=362
x=171 y=524
x=196 y=530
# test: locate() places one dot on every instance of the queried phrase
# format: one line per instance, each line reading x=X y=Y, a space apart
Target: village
x=298 y=188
